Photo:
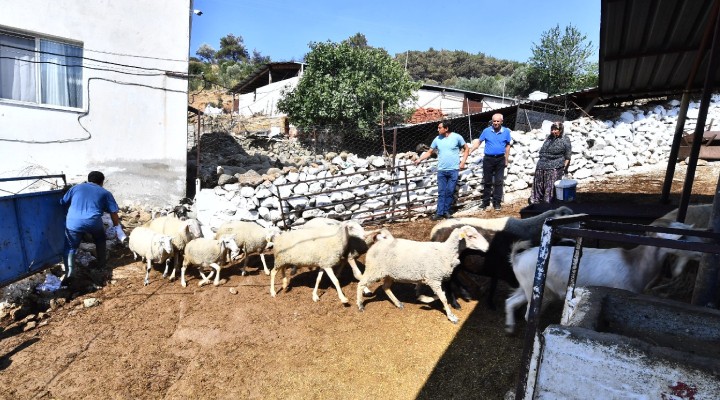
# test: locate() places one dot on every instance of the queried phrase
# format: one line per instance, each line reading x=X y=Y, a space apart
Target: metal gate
x=32 y=228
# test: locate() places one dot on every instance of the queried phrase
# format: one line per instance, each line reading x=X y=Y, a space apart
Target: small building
x=259 y=93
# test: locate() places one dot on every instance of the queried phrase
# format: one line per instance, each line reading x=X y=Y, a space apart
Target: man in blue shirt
x=447 y=145
x=497 y=152
x=86 y=204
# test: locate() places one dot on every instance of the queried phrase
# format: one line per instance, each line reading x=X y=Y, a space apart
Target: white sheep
x=182 y=231
x=409 y=261
x=205 y=252
x=322 y=248
x=495 y=264
x=152 y=246
x=356 y=246
x=250 y=238
x=629 y=269
x=698 y=216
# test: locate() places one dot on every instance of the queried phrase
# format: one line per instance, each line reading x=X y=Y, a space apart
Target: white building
x=97 y=85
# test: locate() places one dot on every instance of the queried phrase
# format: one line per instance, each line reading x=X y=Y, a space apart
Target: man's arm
x=115 y=219
x=424 y=156
x=466 y=151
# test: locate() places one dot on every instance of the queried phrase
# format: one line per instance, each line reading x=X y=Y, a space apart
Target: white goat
x=699 y=217
x=321 y=248
x=205 y=252
x=629 y=269
x=152 y=246
x=417 y=262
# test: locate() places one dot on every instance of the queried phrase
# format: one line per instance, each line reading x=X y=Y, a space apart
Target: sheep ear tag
x=463 y=235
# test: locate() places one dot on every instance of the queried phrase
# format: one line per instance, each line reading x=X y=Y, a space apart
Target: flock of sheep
x=498 y=248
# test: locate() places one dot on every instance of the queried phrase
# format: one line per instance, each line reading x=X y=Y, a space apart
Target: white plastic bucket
x=565 y=189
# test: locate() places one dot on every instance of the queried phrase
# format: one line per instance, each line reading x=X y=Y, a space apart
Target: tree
x=206 y=53
x=348 y=86
x=258 y=58
x=232 y=48
x=560 y=62
x=357 y=40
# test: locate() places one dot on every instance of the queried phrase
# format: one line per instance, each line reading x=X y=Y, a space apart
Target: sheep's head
x=354 y=229
x=472 y=238
x=383 y=234
x=164 y=242
x=228 y=242
x=194 y=228
x=270 y=233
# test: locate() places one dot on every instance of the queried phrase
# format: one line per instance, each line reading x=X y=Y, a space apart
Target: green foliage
x=206 y=53
x=560 y=62
x=433 y=66
x=357 y=40
x=232 y=48
x=347 y=85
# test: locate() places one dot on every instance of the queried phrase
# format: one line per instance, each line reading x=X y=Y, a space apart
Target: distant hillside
x=444 y=66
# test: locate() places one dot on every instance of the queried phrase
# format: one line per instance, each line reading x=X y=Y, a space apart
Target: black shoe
x=484 y=206
x=497 y=207
x=436 y=217
x=447 y=216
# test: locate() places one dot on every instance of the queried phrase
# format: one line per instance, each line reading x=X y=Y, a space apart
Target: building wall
x=264 y=100
x=132 y=124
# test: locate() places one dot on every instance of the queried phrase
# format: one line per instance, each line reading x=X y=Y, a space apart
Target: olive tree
x=561 y=61
x=348 y=86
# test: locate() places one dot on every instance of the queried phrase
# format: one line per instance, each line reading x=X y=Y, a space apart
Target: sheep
x=698 y=216
x=501 y=233
x=152 y=246
x=314 y=248
x=356 y=246
x=417 y=262
x=250 y=238
x=205 y=252
x=182 y=231
x=629 y=269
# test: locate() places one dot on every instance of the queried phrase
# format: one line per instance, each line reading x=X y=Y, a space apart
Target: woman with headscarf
x=554 y=160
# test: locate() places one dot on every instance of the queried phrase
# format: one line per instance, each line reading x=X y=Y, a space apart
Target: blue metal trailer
x=32 y=229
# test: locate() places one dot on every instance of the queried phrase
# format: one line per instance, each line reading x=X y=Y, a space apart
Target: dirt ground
x=235 y=341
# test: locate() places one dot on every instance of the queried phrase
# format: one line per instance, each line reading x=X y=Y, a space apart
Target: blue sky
x=282 y=29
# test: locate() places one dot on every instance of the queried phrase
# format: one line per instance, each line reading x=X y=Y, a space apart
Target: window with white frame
x=39 y=70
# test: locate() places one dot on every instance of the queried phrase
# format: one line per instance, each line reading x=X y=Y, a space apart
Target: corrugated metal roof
x=651 y=47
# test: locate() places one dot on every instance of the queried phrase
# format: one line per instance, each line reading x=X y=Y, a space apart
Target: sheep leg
x=206 y=278
x=361 y=287
x=356 y=271
x=437 y=288
x=216 y=266
x=176 y=262
x=315 y=296
x=243 y=269
x=387 y=282
x=357 y=274
x=273 y=272
x=147 y=272
x=341 y=295
x=265 y=267
x=516 y=300
x=182 y=275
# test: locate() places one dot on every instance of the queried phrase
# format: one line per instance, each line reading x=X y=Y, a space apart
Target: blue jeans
x=72 y=242
x=447 y=179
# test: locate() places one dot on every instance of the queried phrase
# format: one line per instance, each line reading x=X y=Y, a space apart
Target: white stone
x=301 y=188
